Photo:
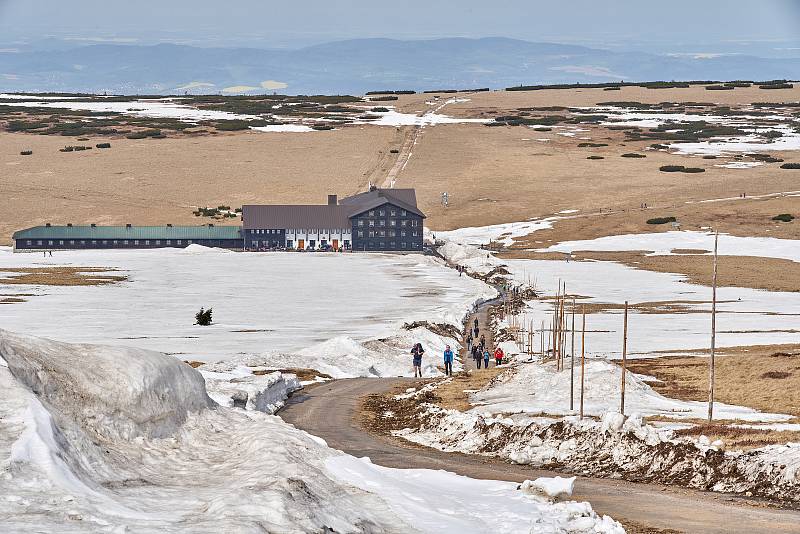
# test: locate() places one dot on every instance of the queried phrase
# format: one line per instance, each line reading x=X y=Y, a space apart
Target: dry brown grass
x=453 y=395
x=740 y=438
x=493 y=174
x=59 y=276
x=304 y=375
x=744 y=377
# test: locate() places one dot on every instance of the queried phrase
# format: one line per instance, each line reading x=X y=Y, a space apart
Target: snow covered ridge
x=240 y=387
x=615 y=446
x=105 y=439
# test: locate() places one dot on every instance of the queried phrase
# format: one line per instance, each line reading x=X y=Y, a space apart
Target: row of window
x=392 y=222
x=384 y=233
x=106 y=242
x=389 y=245
x=392 y=213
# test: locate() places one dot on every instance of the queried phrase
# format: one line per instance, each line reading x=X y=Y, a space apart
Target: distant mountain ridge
x=359 y=65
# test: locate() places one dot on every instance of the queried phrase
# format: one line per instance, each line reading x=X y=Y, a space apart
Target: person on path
x=475 y=332
x=417 y=351
x=476 y=355
x=483 y=342
x=485 y=359
x=498 y=356
x=448 y=361
x=475 y=323
x=469 y=342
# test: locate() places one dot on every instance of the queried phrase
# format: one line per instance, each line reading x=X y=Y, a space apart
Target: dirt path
x=331 y=410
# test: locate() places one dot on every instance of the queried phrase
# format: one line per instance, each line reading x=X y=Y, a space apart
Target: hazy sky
x=610 y=23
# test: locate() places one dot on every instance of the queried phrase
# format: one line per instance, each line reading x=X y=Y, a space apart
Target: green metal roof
x=133 y=232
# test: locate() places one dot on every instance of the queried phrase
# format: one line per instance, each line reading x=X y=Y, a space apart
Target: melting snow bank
x=109 y=439
x=616 y=447
x=466 y=505
x=345 y=357
x=251 y=389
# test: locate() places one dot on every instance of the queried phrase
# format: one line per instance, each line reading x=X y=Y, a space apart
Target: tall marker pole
x=713 y=331
x=572 y=362
x=583 y=354
x=624 y=360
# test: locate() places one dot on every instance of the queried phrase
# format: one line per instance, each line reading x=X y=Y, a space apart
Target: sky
x=631 y=24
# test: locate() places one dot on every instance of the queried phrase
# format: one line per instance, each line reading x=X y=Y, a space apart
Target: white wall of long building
x=318 y=235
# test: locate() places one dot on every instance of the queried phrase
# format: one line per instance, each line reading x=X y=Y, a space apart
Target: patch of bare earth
x=766 y=378
x=454 y=395
x=740 y=438
x=59 y=276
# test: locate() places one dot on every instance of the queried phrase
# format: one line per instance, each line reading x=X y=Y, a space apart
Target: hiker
x=498 y=356
x=483 y=342
x=469 y=342
x=475 y=331
x=476 y=355
x=417 y=351
x=448 y=361
x=486 y=359
x=50 y=252
x=475 y=323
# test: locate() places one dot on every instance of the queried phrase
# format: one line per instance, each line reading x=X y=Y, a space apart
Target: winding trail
x=331 y=410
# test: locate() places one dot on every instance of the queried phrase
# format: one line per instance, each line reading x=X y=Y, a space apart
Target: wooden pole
x=572 y=362
x=583 y=354
x=624 y=360
x=713 y=331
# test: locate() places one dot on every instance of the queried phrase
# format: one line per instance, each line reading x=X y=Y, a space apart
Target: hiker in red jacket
x=498 y=356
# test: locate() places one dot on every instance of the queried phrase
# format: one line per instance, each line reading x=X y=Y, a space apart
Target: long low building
x=103 y=237
x=377 y=220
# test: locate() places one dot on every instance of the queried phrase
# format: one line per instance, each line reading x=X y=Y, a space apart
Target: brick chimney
x=333 y=200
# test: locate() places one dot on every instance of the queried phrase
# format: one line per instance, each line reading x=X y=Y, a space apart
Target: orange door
x=335 y=244
x=301 y=244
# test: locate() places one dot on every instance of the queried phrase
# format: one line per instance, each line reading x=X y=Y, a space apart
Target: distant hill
x=357 y=66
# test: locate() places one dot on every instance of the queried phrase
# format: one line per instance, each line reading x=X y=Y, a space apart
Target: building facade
x=378 y=220
x=70 y=237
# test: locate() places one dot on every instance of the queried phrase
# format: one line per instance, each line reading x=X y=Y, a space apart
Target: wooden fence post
x=624 y=360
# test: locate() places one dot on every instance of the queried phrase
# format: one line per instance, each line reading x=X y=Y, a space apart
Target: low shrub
x=26 y=153
x=595 y=157
x=680 y=168
x=633 y=155
x=388 y=98
x=720 y=88
x=380 y=109
x=542 y=129
x=103 y=145
x=394 y=151
x=321 y=127
x=784 y=217
x=777 y=86
x=615 y=88
x=709 y=156
x=790 y=166
x=659 y=146
x=591 y=145
x=203 y=317
x=662 y=220
x=779 y=375
x=671 y=168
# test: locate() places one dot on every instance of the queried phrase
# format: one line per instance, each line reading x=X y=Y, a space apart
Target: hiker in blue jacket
x=448 y=361
x=486 y=358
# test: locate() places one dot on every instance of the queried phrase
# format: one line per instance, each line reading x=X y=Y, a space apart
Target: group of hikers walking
x=476 y=347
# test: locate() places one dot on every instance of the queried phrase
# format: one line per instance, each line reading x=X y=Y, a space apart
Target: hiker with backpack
x=485 y=359
x=417 y=351
x=448 y=361
x=476 y=355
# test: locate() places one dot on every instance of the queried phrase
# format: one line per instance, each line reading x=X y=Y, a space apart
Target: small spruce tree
x=203 y=317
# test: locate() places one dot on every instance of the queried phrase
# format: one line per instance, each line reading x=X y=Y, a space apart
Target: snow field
x=742 y=312
x=323 y=310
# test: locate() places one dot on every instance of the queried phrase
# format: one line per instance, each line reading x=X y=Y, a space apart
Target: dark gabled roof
x=281 y=216
x=407 y=196
x=360 y=208
x=285 y=216
x=133 y=232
